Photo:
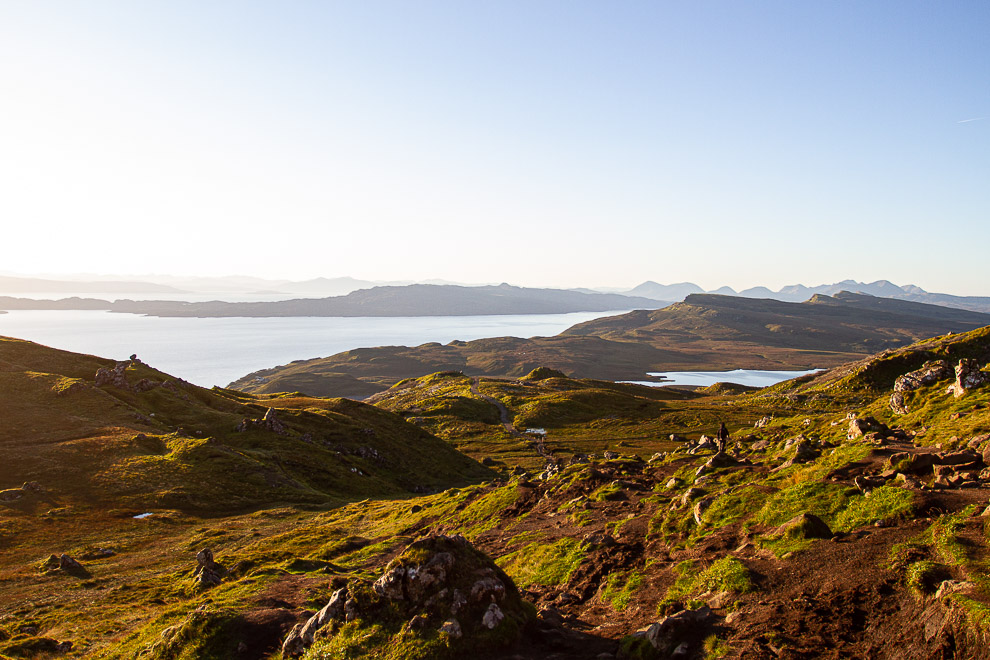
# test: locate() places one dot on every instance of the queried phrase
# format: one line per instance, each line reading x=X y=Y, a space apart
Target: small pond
x=750 y=377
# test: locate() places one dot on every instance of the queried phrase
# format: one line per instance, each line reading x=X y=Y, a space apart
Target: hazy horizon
x=178 y=280
x=542 y=143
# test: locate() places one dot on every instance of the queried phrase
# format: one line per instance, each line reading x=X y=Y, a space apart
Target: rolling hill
x=705 y=332
x=140 y=438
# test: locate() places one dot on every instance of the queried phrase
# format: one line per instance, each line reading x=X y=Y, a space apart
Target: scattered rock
x=677 y=633
x=117 y=377
x=69 y=565
x=451 y=628
x=910 y=462
x=303 y=635
x=949 y=587
x=862 y=425
x=804 y=526
x=690 y=494
x=804 y=450
x=11 y=495
x=760 y=445
x=701 y=506
x=866 y=483
x=966 y=456
x=492 y=617
x=270 y=421
x=208 y=573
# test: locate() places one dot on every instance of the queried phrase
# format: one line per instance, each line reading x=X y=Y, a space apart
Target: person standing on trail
x=722 y=437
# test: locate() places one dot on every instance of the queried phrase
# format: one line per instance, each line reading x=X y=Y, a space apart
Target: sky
x=541 y=143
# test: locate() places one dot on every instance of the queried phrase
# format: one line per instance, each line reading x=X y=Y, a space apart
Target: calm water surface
x=211 y=352
x=751 y=377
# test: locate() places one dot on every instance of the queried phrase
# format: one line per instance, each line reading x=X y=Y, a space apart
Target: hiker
x=722 y=437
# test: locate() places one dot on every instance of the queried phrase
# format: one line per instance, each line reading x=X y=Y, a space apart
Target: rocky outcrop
x=680 y=635
x=438 y=583
x=719 y=460
x=270 y=422
x=930 y=372
x=860 y=426
x=801 y=450
x=64 y=564
x=968 y=376
x=117 y=377
x=303 y=635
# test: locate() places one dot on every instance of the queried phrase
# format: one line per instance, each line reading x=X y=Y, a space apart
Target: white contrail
x=963 y=121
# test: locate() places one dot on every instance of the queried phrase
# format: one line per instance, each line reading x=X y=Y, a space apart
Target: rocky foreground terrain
x=846 y=517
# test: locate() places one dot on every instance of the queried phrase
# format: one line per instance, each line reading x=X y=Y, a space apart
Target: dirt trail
x=506 y=420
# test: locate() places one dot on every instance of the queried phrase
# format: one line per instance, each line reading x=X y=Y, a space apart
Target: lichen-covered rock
x=208 y=573
x=930 y=372
x=691 y=493
x=968 y=376
x=439 y=583
x=113 y=377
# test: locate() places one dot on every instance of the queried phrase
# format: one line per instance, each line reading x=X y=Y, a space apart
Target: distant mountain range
x=243 y=286
x=800 y=293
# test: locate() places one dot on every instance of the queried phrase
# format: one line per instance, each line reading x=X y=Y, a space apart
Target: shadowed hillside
x=138 y=437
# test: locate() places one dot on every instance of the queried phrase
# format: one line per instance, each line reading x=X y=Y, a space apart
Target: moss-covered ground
x=611 y=544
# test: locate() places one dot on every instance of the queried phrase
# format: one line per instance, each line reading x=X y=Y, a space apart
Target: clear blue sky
x=540 y=143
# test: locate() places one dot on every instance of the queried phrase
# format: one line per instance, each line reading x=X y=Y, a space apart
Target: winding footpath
x=506 y=419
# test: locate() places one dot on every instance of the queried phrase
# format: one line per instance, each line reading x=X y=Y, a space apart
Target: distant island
x=411 y=300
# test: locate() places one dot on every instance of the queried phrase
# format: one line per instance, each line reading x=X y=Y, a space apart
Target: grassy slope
x=177 y=446
x=542 y=532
